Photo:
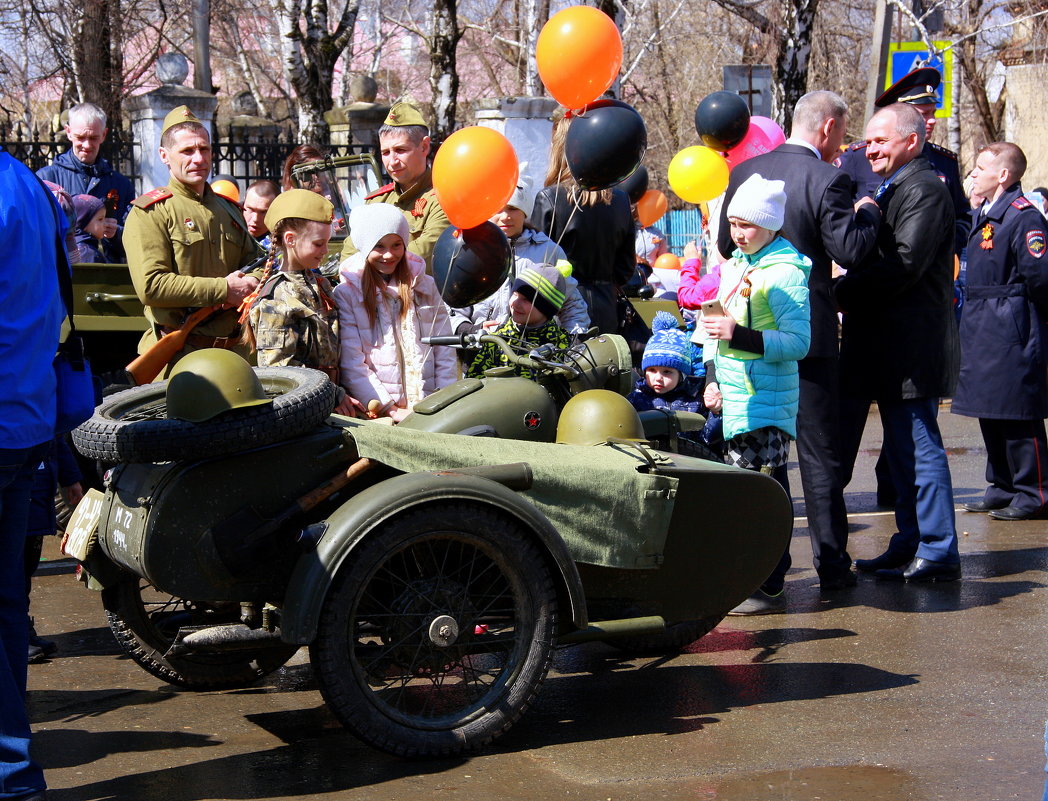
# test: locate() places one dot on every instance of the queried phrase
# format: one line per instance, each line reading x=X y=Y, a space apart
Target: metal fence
x=35 y=151
x=251 y=161
x=680 y=228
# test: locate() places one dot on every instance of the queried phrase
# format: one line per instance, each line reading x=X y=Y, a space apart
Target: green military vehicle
x=432 y=567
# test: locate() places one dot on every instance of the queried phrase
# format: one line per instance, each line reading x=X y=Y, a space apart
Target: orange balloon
x=226 y=189
x=579 y=53
x=667 y=261
x=474 y=174
x=651 y=207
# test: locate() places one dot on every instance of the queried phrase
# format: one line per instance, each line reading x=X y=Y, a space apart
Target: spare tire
x=132 y=426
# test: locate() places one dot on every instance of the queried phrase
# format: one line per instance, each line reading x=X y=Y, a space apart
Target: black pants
x=1016 y=463
x=819 y=459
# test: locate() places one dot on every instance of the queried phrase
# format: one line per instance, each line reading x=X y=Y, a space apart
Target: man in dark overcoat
x=899 y=344
x=1003 y=337
x=821 y=223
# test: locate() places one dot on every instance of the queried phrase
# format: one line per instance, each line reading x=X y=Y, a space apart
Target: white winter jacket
x=371 y=365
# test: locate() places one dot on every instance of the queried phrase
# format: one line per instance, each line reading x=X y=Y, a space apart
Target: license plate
x=82 y=530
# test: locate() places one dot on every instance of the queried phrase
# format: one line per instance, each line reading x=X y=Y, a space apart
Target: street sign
x=905 y=57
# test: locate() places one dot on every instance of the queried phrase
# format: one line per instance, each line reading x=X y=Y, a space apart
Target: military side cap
x=916 y=88
x=404 y=113
x=300 y=203
x=176 y=116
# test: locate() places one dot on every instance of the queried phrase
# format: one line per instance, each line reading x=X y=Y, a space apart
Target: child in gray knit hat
x=538 y=294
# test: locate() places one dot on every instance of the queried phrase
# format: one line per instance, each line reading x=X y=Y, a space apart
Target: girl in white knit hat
x=756 y=337
x=386 y=304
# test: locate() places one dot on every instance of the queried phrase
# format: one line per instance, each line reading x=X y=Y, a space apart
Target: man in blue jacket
x=29 y=331
x=1004 y=337
x=82 y=171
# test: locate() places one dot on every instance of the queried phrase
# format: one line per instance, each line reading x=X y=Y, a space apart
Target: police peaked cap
x=916 y=88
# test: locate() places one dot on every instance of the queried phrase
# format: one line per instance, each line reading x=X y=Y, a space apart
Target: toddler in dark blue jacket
x=668 y=382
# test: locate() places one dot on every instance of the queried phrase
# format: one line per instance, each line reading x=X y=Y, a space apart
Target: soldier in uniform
x=1004 y=337
x=186 y=245
x=918 y=90
x=404 y=144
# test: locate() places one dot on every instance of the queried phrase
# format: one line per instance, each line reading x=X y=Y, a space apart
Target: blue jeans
x=19 y=775
x=917 y=459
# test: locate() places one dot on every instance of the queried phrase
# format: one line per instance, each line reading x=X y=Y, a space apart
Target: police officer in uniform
x=185 y=245
x=918 y=90
x=1004 y=339
x=404 y=145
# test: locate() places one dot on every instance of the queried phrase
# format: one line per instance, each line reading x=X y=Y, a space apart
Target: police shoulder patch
x=381 y=191
x=1021 y=203
x=150 y=198
x=857 y=146
x=945 y=151
x=1035 y=243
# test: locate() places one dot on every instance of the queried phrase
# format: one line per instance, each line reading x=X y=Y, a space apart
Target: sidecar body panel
x=180 y=525
x=367 y=510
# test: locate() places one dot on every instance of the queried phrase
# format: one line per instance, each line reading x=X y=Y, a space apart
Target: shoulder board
x=857 y=146
x=149 y=198
x=382 y=190
x=942 y=151
x=1021 y=203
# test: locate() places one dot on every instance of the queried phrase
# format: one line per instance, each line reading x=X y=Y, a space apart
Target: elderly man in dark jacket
x=899 y=344
x=1004 y=337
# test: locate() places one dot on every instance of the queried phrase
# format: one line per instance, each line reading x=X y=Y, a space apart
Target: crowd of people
x=829 y=285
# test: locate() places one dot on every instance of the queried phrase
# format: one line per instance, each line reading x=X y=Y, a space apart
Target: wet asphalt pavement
x=881 y=692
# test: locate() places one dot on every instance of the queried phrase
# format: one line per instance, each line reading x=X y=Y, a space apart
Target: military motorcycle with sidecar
x=430 y=573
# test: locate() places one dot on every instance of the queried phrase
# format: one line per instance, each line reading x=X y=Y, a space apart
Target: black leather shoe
x=1011 y=513
x=886 y=561
x=923 y=570
x=980 y=506
x=840 y=581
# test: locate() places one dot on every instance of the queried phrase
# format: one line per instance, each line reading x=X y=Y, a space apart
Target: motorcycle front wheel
x=437 y=633
x=146 y=621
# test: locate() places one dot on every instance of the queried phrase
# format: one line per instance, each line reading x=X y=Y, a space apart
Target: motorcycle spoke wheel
x=436 y=636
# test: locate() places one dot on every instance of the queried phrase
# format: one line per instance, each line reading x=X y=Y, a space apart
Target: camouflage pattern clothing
x=491 y=355
x=295 y=322
x=426 y=219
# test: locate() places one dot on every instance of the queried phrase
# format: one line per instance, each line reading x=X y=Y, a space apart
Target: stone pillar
x=526 y=122
x=147 y=114
x=358 y=123
x=1025 y=92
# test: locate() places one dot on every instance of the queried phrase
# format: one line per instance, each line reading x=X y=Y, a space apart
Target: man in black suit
x=899 y=345
x=821 y=223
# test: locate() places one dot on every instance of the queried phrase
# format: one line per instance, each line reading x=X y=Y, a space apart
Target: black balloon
x=722 y=119
x=469 y=264
x=605 y=144
x=635 y=185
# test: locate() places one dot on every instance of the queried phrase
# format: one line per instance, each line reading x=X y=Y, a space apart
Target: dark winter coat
x=1003 y=333
x=899 y=338
x=685 y=397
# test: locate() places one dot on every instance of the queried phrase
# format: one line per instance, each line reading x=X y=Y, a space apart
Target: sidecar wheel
x=145 y=622
x=436 y=635
x=132 y=426
x=674 y=638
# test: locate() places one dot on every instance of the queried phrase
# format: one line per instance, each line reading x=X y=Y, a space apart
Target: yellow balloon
x=698 y=174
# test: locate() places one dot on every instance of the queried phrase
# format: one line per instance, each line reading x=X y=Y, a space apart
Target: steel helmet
x=597 y=415
x=207 y=382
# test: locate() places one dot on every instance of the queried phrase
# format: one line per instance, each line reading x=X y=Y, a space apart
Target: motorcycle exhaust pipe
x=234 y=637
x=607 y=629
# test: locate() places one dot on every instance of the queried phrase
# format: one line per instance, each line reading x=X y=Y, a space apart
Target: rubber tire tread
x=146 y=645
x=337 y=681
x=677 y=636
x=307 y=400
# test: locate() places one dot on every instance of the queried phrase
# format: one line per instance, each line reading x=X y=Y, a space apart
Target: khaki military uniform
x=420 y=206
x=180 y=248
x=295 y=322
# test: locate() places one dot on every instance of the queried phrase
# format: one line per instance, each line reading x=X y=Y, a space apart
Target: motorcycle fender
x=372 y=507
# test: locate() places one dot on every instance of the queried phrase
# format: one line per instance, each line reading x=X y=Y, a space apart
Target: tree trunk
x=791 y=64
x=443 y=75
x=93 y=59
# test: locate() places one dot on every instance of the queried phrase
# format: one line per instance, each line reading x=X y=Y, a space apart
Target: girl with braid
x=293 y=319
